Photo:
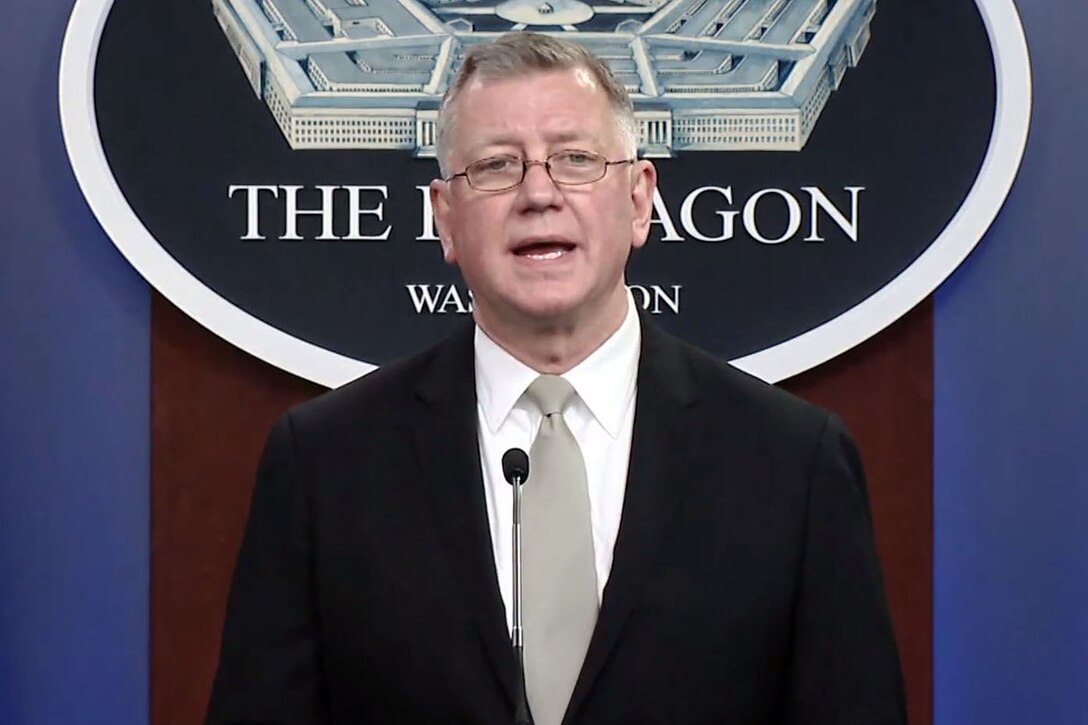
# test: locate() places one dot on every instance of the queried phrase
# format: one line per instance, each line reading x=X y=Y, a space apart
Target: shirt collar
x=605 y=381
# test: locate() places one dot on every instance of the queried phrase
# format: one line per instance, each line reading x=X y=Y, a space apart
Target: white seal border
x=987 y=195
x=1012 y=118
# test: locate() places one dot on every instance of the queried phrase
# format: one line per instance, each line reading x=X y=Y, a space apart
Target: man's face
x=542 y=252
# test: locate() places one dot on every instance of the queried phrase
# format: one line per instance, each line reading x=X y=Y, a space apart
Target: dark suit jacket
x=744 y=588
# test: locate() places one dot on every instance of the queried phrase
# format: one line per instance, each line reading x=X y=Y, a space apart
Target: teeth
x=547 y=255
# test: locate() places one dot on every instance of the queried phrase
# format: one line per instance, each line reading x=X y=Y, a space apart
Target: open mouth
x=544 y=250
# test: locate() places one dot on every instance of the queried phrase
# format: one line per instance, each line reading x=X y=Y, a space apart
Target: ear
x=643 y=184
x=443 y=218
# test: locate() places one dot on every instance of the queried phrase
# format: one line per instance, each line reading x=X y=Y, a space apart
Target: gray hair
x=521 y=53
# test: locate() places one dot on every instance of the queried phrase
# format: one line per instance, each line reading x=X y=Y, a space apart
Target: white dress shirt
x=601 y=419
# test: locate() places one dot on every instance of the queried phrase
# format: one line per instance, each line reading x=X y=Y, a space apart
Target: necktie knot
x=550 y=393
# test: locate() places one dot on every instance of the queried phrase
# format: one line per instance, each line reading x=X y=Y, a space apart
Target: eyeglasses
x=570 y=167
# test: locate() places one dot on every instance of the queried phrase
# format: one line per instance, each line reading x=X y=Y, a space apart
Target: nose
x=537 y=189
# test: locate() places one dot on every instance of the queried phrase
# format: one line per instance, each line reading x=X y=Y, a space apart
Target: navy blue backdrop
x=1011 y=423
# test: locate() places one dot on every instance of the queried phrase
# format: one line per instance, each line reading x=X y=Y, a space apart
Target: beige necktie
x=559 y=577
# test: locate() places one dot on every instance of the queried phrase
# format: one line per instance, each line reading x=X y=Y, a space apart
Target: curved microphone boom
x=515 y=469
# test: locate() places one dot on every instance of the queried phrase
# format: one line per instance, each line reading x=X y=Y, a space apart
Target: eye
x=576 y=158
x=494 y=165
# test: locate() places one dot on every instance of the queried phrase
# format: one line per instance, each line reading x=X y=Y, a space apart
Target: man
x=698 y=546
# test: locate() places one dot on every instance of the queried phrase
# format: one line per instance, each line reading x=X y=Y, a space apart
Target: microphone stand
x=515 y=469
x=521 y=702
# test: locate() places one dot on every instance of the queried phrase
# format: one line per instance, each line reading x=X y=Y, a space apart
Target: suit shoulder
x=379 y=393
x=723 y=384
x=761 y=418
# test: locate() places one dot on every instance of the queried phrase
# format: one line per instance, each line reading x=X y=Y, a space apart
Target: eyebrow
x=561 y=137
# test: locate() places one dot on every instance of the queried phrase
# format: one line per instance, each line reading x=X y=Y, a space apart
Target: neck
x=554 y=346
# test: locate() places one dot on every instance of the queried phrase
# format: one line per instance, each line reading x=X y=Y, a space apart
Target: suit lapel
x=447 y=447
x=660 y=445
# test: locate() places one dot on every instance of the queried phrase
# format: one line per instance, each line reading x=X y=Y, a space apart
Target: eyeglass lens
x=565 y=167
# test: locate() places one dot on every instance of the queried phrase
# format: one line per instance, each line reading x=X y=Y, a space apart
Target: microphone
x=515 y=465
x=515 y=469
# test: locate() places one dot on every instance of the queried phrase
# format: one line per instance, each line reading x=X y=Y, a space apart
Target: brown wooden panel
x=213 y=404
x=883 y=390
x=211 y=407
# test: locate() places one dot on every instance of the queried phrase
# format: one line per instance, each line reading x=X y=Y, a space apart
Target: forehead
x=536 y=107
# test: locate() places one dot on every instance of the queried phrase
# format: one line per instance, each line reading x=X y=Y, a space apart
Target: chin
x=547 y=303
x=548 y=312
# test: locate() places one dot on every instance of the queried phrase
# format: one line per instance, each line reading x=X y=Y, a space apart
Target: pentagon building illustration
x=705 y=75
